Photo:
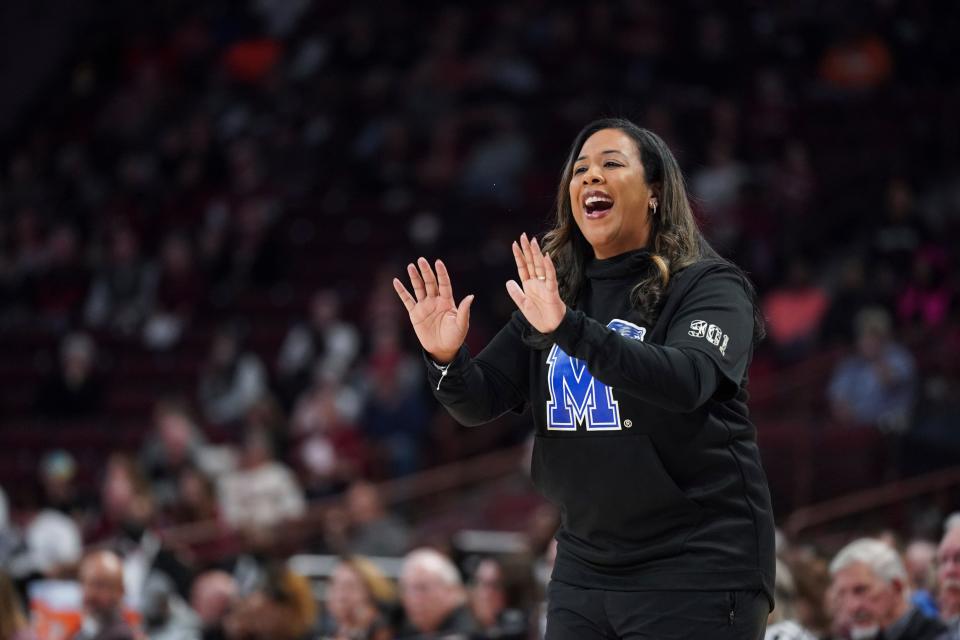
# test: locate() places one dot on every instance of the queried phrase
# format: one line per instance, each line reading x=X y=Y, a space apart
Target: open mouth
x=596 y=205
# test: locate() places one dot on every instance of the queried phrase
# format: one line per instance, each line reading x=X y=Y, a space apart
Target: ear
x=655 y=192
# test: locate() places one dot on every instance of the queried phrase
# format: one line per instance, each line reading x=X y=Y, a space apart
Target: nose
x=592 y=176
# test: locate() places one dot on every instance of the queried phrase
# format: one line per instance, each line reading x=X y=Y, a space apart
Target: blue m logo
x=576 y=397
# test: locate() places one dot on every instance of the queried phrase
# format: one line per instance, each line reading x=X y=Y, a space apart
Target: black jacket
x=915 y=625
x=642 y=432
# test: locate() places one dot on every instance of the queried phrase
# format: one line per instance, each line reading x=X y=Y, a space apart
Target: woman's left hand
x=537 y=296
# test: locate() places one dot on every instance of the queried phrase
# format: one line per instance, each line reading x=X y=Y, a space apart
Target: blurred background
x=204 y=367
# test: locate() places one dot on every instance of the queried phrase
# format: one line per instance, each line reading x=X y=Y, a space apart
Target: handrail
x=861 y=502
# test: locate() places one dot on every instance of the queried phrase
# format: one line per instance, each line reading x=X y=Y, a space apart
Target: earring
x=653 y=205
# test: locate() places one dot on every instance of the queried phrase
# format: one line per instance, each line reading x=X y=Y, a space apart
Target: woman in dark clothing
x=631 y=347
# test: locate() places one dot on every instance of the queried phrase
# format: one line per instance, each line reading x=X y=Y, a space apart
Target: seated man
x=948 y=580
x=101 y=577
x=869 y=596
x=434 y=599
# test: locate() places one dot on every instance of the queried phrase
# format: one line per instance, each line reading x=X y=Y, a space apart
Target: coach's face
x=862 y=602
x=609 y=194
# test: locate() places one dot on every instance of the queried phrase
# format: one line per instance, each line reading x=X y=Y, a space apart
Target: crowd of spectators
x=223 y=191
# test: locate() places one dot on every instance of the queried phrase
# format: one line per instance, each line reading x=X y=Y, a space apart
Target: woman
x=13 y=622
x=631 y=347
x=501 y=592
x=357 y=594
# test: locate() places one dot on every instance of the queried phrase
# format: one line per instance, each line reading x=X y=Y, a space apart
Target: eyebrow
x=608 y=151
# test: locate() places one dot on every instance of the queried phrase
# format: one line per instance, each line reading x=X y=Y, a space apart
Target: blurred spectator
x=323 y=348
x=166 y=616
x=373 y=530
x=179 y=293
x=232 y=379
x=395 y=418
x=783 y=623
x=60 y=287
x=122 y=291
x=849 y=298
x=52 y=546
x=75 y=390
x=61 y=490
x=151 y=568
x=174 y=445
x=716 y=187
x=13 y=623
x=251 y=255
x=263 y=492
x=875 y=386
x=948 y=578
x=434 y=600
x=919 y=559
x=196 y=498
x=501 y=594
x=359 y=598
x=329 y=446
x=101 y=576
x=794 y=183
x=266 y=415
x=869 y=595
x=924 y=303
x=281 y=609
x=896 y=239
x=212 y=596
x=794 y=312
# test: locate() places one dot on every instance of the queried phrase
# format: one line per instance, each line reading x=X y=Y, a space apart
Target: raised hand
x=537 y=296
x=440 y=324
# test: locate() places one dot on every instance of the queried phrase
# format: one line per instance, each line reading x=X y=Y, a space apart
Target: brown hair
x=676 y=241
x=380 y=588
x=12 y=619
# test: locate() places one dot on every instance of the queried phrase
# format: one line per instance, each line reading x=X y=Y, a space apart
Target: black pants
x=592 y=614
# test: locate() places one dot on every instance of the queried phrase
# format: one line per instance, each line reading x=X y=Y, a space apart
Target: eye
x=579 y=170
x=612 y=163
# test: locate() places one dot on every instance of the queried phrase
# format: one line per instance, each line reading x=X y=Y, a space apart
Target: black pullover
x=643 y=438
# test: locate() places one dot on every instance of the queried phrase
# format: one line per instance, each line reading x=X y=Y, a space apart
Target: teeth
x=595 y=199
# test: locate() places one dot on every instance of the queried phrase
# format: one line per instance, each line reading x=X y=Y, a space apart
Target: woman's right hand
x=440 y=324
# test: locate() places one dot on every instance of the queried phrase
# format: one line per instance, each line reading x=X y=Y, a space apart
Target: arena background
x=202 y=205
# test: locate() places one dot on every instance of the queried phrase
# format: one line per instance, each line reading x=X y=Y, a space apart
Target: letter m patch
x=576 y=397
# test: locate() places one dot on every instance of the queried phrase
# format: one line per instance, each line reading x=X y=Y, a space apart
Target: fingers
x=443 y=281
x=429 y=280
x=417 y=282
x=521 y=263
x=528 y=256
x=550 y=271
x=516 y=294
x=463 y=314
x=532 y=259
x=405 y=297
x=538 y=260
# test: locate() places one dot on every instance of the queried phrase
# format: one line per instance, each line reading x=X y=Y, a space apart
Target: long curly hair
x=676 y=242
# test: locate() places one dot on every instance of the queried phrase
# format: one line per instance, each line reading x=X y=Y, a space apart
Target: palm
x=441 y=326
x=538 y=295
x=435 y=323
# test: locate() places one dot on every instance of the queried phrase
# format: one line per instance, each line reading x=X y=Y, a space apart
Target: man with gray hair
x=434 y=598
x=869 y=596
x=948 y=578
